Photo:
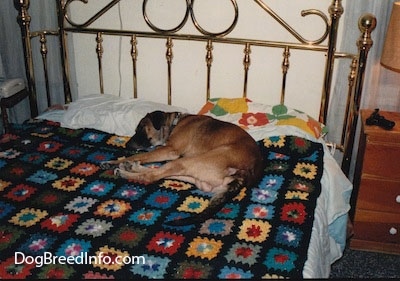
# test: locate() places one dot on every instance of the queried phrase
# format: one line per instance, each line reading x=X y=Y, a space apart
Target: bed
x=62 y=216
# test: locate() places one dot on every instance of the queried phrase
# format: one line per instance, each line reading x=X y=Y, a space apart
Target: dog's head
x=153 y=130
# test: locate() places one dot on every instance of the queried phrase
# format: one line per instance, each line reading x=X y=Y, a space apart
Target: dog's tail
x=216 y=203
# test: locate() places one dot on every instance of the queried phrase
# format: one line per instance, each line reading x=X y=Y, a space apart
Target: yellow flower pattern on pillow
x=247 y=114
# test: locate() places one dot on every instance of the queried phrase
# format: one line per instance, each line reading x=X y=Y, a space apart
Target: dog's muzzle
x=138 y=141
x=144 y=146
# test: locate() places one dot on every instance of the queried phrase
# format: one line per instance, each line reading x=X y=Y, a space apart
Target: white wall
x=189 y=68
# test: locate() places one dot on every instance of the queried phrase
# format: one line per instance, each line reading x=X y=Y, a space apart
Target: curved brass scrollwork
x=190 y=10
x=172 y=30
x=93 y=18
x=291 y=29
x=222 y=33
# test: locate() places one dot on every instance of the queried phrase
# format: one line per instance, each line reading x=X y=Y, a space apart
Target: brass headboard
x=358 y=61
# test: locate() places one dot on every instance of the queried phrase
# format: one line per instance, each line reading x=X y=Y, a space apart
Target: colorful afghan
x=61 y=216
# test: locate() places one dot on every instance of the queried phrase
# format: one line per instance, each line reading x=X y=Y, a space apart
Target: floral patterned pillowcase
x=250 y=115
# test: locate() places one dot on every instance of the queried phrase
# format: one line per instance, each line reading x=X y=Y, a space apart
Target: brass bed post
x=64 y=51
x=43 y=52
x=169 y=56
x=24 y=21
x=100 y=51
x=366 y=24
x=209 y=60
x=285 y=68
x=350 y=92
x=134 y=54
x=246 y=64
x=335 y=10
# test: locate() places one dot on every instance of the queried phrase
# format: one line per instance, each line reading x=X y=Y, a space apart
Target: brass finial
x=366 y=24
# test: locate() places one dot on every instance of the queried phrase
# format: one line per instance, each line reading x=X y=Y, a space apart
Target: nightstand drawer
x=376 y=205
x=382 y=160
x=379 y=195
x=377 y=226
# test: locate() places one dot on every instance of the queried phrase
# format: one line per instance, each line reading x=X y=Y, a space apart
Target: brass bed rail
x=356 y=71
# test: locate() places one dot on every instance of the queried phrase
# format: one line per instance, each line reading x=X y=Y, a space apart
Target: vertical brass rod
x=134 y=54
x=366 y=24
x=349 y=103
x=100 y=51
x=246 y=64
x=285 y=69
x=335 y=10
x=43 y=52
x=64 y=53
x=24 y=20
x=209 y=59
x=169 y=56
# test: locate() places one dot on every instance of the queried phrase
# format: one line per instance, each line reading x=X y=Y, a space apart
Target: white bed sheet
x=110 y=114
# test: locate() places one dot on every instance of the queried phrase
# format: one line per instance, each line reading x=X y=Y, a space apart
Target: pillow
x=110 y=113
x=257 y=116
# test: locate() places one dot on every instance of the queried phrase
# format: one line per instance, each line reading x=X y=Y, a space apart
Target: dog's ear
x=157 y=118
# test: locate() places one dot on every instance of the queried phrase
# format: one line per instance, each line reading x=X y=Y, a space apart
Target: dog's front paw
x=117 y=172
x=132 y=166
x=126 y=166
x=136 y=177
x=107 y=165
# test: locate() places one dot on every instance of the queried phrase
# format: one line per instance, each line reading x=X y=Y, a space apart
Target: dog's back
x=203 y=134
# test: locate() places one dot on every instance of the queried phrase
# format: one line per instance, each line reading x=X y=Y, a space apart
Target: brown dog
x=216 y=156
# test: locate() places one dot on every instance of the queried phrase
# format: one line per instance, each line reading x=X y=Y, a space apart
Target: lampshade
x=391 y=49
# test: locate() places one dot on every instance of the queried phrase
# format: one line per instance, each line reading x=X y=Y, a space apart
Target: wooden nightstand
x=377 y=187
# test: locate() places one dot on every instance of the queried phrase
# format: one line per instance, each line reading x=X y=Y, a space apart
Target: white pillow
x=110 y=113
